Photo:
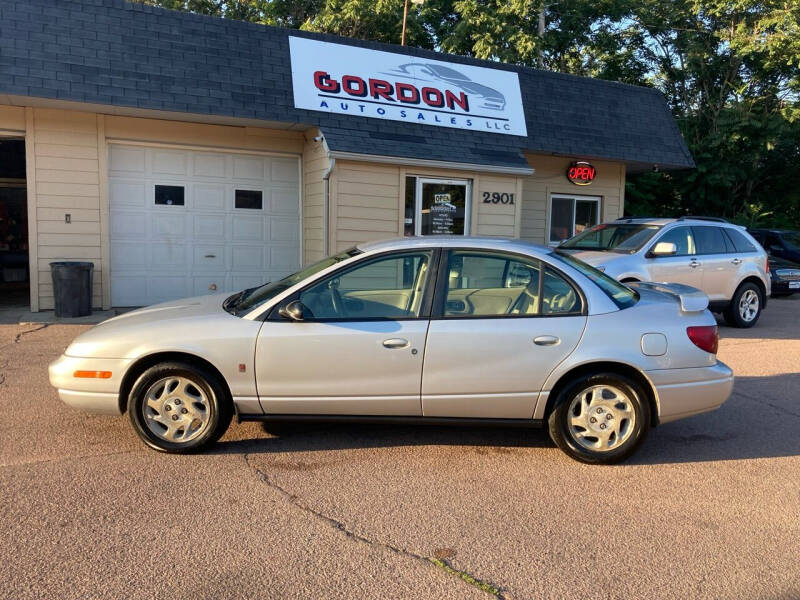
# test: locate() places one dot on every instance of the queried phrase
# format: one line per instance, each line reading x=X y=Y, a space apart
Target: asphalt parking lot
x=708 y=508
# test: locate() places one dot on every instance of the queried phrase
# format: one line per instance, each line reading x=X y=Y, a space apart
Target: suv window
x=389 y=287
x=495 y=284
x=739 y=241
x=682 y=238
x=709 y=240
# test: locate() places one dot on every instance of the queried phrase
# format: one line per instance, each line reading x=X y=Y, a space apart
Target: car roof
x=667 y=221
x=454 y=241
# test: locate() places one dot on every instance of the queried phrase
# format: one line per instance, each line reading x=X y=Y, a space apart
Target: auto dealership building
x=183 y=154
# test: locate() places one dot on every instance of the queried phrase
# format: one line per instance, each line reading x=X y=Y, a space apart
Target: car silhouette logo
x=488 y=97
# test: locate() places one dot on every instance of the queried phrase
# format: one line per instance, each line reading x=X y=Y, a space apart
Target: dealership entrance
x=14 y=275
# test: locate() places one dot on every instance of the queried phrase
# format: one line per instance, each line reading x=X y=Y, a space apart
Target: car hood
x=118 y=336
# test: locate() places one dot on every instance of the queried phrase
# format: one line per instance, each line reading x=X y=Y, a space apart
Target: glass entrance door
x=442 y=207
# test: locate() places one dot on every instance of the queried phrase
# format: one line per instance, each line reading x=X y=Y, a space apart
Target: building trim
x=203 y=148
x=439 y=164
x=33 y=221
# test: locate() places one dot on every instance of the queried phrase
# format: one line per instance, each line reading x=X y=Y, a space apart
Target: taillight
x=705 y=337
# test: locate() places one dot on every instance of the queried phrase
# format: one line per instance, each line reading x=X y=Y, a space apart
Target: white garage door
x=186 y=222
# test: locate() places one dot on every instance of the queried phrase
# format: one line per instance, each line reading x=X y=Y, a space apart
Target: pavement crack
x=442 y=564
x=18 y=337
x=777 y=407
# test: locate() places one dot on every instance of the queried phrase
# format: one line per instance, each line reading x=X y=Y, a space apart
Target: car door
x=502 y=323
x=720 y=265
x=682 y=267
x=358 y=349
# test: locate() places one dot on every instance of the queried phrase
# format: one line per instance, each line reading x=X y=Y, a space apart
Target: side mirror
x=294 y=311
x=664 y=249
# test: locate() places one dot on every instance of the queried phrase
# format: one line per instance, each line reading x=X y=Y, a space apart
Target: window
x=682 y=238
x=709 y=240
x=623 y=238
x=493 y=285
x=621 y=295
x=391 y=287
x=739 y=242
x=436 y=206
x=252 y=199
x=570 y=215
x=169 y=195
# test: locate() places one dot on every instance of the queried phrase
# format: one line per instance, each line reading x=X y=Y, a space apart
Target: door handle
x=737 y=261
x=395 y=343
x=694 y=264
x=546 y=340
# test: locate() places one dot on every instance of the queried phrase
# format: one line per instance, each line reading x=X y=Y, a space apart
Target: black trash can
x=72 y=288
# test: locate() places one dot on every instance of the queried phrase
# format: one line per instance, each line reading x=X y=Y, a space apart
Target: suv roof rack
x=629 y=219
x=696 y=218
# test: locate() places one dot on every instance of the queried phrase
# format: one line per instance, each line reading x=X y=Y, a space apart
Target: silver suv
x=715 y=256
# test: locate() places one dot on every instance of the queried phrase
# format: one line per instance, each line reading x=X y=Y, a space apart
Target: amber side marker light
x=92 y=374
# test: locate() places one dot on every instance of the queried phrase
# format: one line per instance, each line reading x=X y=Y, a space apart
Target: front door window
x=437 y=206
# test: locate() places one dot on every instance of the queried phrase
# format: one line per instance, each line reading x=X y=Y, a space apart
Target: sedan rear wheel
x=600 y=419
x=178 y=407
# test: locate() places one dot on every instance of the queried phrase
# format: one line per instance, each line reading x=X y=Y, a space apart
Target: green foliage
x=730 y=70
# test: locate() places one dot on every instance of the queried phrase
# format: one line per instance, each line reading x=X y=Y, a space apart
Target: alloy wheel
x=748 y=305
x=601 y=418
x=176 y=409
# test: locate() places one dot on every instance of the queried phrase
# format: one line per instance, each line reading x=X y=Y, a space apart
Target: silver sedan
x=423 y=330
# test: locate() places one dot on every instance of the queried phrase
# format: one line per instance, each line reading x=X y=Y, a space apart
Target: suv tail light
x=705 y=337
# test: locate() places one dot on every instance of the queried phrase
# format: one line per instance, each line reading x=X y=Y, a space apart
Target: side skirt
x=390 y=420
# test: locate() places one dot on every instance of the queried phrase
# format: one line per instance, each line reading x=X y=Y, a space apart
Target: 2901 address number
x=497 y=198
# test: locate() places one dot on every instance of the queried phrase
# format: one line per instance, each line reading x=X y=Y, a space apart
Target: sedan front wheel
x=178 y=407
x=600 y=419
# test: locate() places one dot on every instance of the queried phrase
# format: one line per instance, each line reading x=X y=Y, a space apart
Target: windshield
x=614 y=237
x=246 y=300
x=792 y=240
x=622 y=295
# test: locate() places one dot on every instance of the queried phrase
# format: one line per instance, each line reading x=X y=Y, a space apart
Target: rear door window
x=709 y=240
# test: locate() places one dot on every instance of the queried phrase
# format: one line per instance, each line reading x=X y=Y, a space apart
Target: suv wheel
x=178 y=408
x=600 y=419
x=745 y=307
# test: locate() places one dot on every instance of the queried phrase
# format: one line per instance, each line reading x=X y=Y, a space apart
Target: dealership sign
x=384 y=85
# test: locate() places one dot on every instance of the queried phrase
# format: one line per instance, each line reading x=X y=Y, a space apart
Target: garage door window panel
x=169 y=195
x=249 y=199
x=392 y=287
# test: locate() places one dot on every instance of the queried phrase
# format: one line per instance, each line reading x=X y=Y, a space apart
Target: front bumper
x=94 y=395
x=685 y=392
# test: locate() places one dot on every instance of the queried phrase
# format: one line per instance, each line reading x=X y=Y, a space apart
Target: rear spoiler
x=691 y=299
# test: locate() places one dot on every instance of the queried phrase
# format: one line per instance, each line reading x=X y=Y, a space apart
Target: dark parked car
x=780 y=243
x=785 y=276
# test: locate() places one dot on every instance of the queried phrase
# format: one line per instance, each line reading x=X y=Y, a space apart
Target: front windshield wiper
x=232 y=303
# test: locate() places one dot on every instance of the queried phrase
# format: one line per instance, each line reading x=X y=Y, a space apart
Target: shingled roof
x=117 y=53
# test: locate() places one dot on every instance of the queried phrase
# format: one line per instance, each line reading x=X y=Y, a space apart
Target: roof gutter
x=439 y=164
x=326 y=195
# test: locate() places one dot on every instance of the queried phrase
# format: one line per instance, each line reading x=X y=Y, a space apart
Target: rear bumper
x=685 y=392
x=99 y=396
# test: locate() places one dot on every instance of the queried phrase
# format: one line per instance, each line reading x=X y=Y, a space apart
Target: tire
x=607 y=398
x=189 y=407
x=745 y=307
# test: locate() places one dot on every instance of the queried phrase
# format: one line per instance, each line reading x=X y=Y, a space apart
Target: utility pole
x=541 y=35
x=405 y=18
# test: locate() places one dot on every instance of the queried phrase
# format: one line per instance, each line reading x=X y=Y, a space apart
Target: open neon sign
x=581 y=173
